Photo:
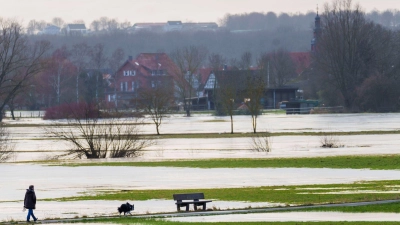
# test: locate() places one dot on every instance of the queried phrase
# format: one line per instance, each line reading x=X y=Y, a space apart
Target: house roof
x=155 y=61
x=76 y=26
x=204 y=74
x=51 y=27
x=171 y=23
x=149 y=24
x=200 y=25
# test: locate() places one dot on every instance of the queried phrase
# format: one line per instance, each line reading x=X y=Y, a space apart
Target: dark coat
x=30 y=199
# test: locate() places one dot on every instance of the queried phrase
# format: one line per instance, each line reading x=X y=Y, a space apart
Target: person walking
x=30 y=202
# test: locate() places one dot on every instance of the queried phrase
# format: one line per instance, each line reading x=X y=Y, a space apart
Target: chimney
x=130 y=58
x=225 y=67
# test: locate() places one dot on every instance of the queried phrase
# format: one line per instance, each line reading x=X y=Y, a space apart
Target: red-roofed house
x=148 y=70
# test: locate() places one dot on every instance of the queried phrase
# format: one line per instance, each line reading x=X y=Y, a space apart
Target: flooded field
x=34 y=144
x=54 y=182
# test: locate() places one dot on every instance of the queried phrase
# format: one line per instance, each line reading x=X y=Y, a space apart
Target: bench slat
x=189 y=196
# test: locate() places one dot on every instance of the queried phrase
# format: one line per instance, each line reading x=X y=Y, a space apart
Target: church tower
x=317 y=32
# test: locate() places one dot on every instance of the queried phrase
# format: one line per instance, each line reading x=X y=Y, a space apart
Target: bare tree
x=91 y=137
x=255 y=87
x=79 y=54
x=59 y=71
x=216 y=61
x=188 y=61
x=95 y=26
x=35 y=26
x=346 y=48
x=125 y=25
x=115 y=62
x=278 y=66
x=262 y=143
x=245 y=61
x=6 y=145
x=226 y=92
x=57 y=21
x=98 y=60
x=19 y=60
x=156 y=102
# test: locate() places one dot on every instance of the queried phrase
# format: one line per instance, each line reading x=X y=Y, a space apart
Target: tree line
x=389 y=18
x=356 y=62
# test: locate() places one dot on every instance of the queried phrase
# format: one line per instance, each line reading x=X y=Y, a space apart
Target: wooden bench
x=184 y=200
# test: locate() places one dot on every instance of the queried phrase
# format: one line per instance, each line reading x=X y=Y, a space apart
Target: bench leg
x=204 y=206
x=195 y=207
x=187 y=207
x=178 y=207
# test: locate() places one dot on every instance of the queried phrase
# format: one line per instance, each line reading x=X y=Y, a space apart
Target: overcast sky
x=161 y=10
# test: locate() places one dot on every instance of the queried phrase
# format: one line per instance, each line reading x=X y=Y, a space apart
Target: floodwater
x=54 y=182
x=33 y=144
x=57 y=181
x=200 y=123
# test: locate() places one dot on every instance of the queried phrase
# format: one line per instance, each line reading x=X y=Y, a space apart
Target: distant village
x=81 y=29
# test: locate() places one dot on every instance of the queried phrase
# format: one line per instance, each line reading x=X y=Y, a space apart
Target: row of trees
x=357 y=60
x=70 y=74
x=20 y=60
x=103 y=24
x=271 y=21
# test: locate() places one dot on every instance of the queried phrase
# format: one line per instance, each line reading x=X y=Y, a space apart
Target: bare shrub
x=262 y=143
x=330 y=141
x=101 y=138
x=6 y=145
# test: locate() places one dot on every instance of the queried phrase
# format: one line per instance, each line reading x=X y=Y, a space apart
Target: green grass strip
x=376 y=162
x=275 y=134
x=299 y=195
x=136 y=221
x=384 y=208
x=163 y=222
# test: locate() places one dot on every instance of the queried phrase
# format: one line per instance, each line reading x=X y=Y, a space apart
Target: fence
x=314 y=110
x=25 y=114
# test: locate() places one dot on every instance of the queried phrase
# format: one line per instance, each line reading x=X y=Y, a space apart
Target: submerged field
x=297 y=172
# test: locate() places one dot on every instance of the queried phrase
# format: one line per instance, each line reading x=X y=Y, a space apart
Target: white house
x=51 y=30
x=76 y=29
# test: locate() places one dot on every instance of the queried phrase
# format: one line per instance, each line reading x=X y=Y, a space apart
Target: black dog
x=126 y=208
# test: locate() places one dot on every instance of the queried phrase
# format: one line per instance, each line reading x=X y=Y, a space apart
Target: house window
x=111 y=98
x=153 y=84
x=129 y=73
x=153 y=72
x=133 y=85
x=124 y=86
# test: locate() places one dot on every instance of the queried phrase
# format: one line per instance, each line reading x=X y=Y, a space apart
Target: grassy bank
x=161 y=222
x=385 y=208
x=298 y=195
x=376 y=162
